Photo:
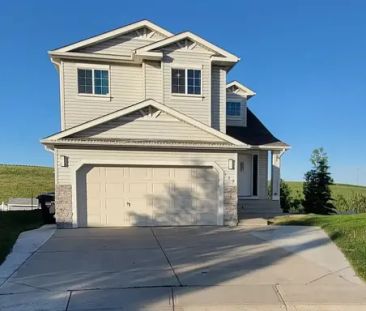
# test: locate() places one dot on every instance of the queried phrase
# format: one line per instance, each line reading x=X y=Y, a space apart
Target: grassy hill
x=346 y=190
x=27 y=181
x=24 y=181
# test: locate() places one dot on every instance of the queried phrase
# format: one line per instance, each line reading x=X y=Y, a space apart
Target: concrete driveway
x=187 y=268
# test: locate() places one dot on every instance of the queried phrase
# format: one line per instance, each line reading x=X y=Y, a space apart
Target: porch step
x=253 y=222
x=257 y=212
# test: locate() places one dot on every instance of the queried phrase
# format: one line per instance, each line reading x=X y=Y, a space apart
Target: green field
x=347 y=231
x=337 y=189
x=24 y=181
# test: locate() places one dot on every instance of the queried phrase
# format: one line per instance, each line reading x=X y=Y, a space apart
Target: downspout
x=60 y=68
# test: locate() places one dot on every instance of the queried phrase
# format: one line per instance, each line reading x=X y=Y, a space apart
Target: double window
x=93 y=81
x=233 y=109
x=186 y=81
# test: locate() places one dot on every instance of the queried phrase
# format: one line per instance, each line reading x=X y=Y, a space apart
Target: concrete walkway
x=188 y=268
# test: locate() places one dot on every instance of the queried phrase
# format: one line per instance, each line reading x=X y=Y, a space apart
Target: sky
x=305 y=59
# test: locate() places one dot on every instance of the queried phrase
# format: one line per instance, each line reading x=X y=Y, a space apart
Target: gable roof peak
x=114 y=33
x=249 y=93
x=220 y=53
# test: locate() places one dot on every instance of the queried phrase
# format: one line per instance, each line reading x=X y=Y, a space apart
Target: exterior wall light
x=64 y=161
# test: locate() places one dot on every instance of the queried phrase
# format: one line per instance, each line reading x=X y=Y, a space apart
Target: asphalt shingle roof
x=255 y=133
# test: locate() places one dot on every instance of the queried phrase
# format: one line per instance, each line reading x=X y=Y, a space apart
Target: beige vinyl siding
x=242 y=121
x=154 y=81
x=163 y=127
x=197 y=107
x=121 y=45
x=218 y=90
x=126 y=89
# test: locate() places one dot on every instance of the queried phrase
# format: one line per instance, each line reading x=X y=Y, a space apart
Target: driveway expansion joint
x=280 y=295
x=166 y=257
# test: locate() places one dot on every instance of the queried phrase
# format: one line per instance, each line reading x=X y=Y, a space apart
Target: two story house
x=153 y=134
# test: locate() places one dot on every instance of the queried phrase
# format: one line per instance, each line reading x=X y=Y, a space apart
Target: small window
x=233 y=109
x=186 y=81
x=178 y=81
x=194 y=81
x=93 y=81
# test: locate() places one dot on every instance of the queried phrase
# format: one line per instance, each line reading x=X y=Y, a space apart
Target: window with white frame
x=186 y=81
x=233 y=109
x=93 y=81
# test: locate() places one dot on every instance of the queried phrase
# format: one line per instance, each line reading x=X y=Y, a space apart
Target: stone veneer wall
x=230 y=206
x=63 y=206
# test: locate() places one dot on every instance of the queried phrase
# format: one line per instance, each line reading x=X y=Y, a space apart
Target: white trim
x=93 y=57
x=241 y=112
x=138 y=106
x=93 y=67
x=188 y=35
x=186 y=66
x=249 y=93
x=114 y=33
x=174 y=67
x=220 y=172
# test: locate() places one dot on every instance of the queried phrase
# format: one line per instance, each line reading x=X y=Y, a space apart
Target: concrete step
x=253 y=222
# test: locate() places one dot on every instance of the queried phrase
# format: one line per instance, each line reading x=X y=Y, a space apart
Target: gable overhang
x=112 y=34
x=247 y=91
x=51 y=140
x=220 y=55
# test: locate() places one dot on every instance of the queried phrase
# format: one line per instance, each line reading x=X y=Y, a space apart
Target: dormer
x=236 y=103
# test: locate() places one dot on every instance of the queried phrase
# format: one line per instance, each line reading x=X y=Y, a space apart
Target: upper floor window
x=93 y=81
x=233 y=109
x=186 y=81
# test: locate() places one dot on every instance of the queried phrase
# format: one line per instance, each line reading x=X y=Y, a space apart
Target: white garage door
x=148 y=196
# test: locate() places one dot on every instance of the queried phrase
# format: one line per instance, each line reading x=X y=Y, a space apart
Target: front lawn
x=347 y=231
x=12 y=224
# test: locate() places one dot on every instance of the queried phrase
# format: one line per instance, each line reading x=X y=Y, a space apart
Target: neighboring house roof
x=149 y=102
x=23 y=201
x=113 y=33
x=221 y=54
x=235 y=85
x=255 y=134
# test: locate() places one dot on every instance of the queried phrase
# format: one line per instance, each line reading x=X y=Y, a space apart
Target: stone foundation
x=230 y=206
x=63 y=205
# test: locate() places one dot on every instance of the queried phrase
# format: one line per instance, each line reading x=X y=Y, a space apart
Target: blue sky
x=305 y=59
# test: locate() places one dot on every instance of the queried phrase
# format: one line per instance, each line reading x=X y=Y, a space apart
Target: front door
x=245 y=175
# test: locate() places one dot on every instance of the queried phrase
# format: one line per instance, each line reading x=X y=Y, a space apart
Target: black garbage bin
x=47 y=202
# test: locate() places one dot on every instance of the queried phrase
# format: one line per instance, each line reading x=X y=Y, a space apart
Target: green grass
x=12 y=224
x=337 y=189
x=347 y=231
x=24 y=181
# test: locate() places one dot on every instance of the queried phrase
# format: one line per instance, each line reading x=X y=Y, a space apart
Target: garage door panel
x=113 y=174
x=139 y=173
x=161 y=173
x=138 y=187
x=145 y=196
x=114 y=190
x=93 y=190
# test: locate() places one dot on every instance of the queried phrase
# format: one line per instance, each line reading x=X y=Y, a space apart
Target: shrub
x=285 y=197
